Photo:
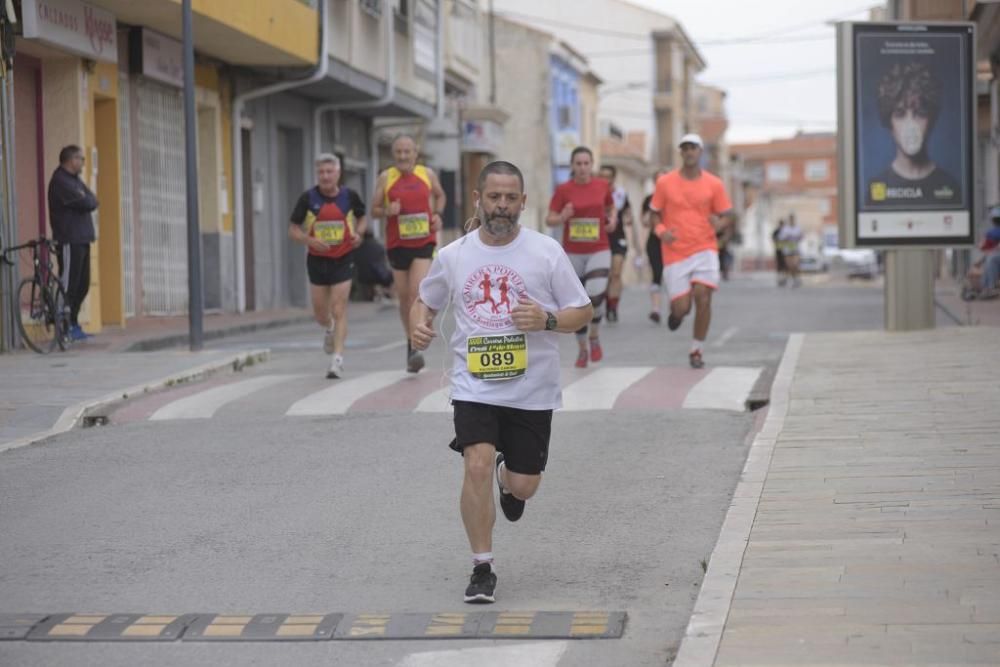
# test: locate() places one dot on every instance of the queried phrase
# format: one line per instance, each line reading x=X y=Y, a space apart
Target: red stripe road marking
x=403 y=395
x=663 y=388
x=143 y=408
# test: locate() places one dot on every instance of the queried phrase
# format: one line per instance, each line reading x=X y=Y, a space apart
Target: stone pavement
x=866 y=526
x=41 y=395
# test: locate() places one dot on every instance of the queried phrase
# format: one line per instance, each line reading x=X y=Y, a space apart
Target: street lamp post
x=195 y=304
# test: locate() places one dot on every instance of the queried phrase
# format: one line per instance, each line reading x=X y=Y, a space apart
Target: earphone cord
x=446 y=361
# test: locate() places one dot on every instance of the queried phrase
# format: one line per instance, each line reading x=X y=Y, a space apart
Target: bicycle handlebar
x=33 y=243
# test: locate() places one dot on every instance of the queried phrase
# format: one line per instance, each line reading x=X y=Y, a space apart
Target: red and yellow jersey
x=332 y=220
x=584 y=233
x=412 y=227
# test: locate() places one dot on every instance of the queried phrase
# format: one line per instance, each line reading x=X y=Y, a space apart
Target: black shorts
x=655 y=254
x=330 y=270
x=522 y=435
x=618 y=246
x=402 y=258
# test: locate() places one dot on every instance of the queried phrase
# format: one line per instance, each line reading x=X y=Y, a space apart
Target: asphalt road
x=256 y=510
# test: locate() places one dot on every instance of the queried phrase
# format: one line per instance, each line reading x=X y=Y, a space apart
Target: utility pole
x=493 y=58
x=195 y=303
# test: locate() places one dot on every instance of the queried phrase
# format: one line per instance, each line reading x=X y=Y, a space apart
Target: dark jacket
x=70 y=206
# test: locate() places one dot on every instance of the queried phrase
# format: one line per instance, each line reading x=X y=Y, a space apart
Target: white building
x=645 y=58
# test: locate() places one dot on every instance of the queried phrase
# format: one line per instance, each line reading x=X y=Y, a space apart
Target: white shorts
x=701 y=267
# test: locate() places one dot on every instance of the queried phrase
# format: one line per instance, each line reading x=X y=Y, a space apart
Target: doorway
x=291 y=183
x=250 y=285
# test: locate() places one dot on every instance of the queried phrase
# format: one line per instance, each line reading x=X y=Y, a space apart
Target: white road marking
x=337 y=399
x=600 y=389
x=724 y=338
x=538 y=654
x=724 y=388
x=205 y=404
x=385 y=348
x=436 y=401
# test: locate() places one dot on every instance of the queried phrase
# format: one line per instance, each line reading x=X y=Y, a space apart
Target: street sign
x=906 y=119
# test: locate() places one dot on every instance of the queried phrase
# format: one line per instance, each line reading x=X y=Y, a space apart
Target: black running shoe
x=482 y=585
x=512 y=507
x=414 y=362
x=673 y=322
x=612 y=315
x=654 y=317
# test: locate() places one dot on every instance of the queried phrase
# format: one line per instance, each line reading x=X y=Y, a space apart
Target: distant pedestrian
x=330 y=221
x=584 y=208
x=693 y=206
x=789 y=238
x=617 y=238
x=71 y=207
x=654 y=253
x=779 y=259
x=409 y=197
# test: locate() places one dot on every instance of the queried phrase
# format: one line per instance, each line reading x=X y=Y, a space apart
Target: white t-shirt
x=484 y=283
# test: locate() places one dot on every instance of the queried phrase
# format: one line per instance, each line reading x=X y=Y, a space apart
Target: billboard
x=906 y=134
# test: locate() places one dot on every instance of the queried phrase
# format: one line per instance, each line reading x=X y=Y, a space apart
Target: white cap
x=691 y=139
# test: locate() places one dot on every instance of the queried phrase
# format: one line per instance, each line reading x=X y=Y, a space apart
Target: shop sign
x=74 y=26
x=482 y=136
x=157 y=56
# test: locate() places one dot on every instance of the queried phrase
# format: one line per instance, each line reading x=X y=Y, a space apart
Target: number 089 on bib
x=499 y=357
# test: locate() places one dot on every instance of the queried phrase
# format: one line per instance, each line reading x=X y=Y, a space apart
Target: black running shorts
x=330 y=270
x=522 y=435
x=402 y=258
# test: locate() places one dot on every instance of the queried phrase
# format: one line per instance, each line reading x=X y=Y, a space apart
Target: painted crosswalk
x=619 y=388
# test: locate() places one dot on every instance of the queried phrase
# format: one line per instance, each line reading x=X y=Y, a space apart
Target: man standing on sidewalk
x=330 y=221
x=71 y=205
x=693 y=207
x=505 y=377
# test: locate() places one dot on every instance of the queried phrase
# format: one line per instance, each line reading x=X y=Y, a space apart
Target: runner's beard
x=499 y=225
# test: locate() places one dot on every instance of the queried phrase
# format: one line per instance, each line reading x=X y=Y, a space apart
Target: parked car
x=856 y=262
x=812 y=262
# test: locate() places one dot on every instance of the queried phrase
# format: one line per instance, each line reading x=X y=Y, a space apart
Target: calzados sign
x=72 y=26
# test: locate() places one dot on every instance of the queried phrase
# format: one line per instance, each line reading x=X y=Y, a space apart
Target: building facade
x=107 y=75
x=794 y=176
x=646 y=62
x=551 y=110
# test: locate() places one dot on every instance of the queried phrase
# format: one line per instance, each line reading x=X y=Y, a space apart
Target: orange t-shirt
x=686 y=206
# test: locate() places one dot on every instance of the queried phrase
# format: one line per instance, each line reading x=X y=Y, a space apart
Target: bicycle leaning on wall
x=40 y=308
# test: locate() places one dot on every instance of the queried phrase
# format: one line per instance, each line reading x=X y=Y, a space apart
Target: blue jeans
x=991 y=271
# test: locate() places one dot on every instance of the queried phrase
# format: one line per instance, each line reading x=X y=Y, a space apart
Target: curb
x=177 y=340
x=75 y=413
x=703 y=635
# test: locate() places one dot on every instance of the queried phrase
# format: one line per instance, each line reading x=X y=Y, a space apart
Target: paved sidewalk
x=41 y=396
x=948 y=297
x=866 y=527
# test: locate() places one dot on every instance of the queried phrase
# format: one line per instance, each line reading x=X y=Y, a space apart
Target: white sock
x=503 y=465
x=696 y=345
x=486 y=557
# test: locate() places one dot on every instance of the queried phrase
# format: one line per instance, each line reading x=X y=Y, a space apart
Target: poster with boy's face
x=913 y=139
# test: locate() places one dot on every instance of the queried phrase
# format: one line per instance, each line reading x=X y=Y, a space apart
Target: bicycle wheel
x=36 y=320
x=60 y=313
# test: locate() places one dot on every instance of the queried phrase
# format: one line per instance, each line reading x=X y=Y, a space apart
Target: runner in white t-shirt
x=511 y=289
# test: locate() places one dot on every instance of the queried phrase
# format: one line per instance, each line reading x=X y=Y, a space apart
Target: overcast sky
x=783 y=82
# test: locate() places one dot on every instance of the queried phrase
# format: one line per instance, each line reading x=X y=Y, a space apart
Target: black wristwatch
x=551 y=321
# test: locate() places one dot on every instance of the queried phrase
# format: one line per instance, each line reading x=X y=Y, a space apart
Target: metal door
x=162 y=196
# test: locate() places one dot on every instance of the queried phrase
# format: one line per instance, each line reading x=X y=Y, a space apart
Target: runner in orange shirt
x=692 y=205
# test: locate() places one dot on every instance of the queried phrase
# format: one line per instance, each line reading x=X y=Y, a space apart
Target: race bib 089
x=414 y=226
x=587 y=230
x=331 y=233
x=498 y=357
